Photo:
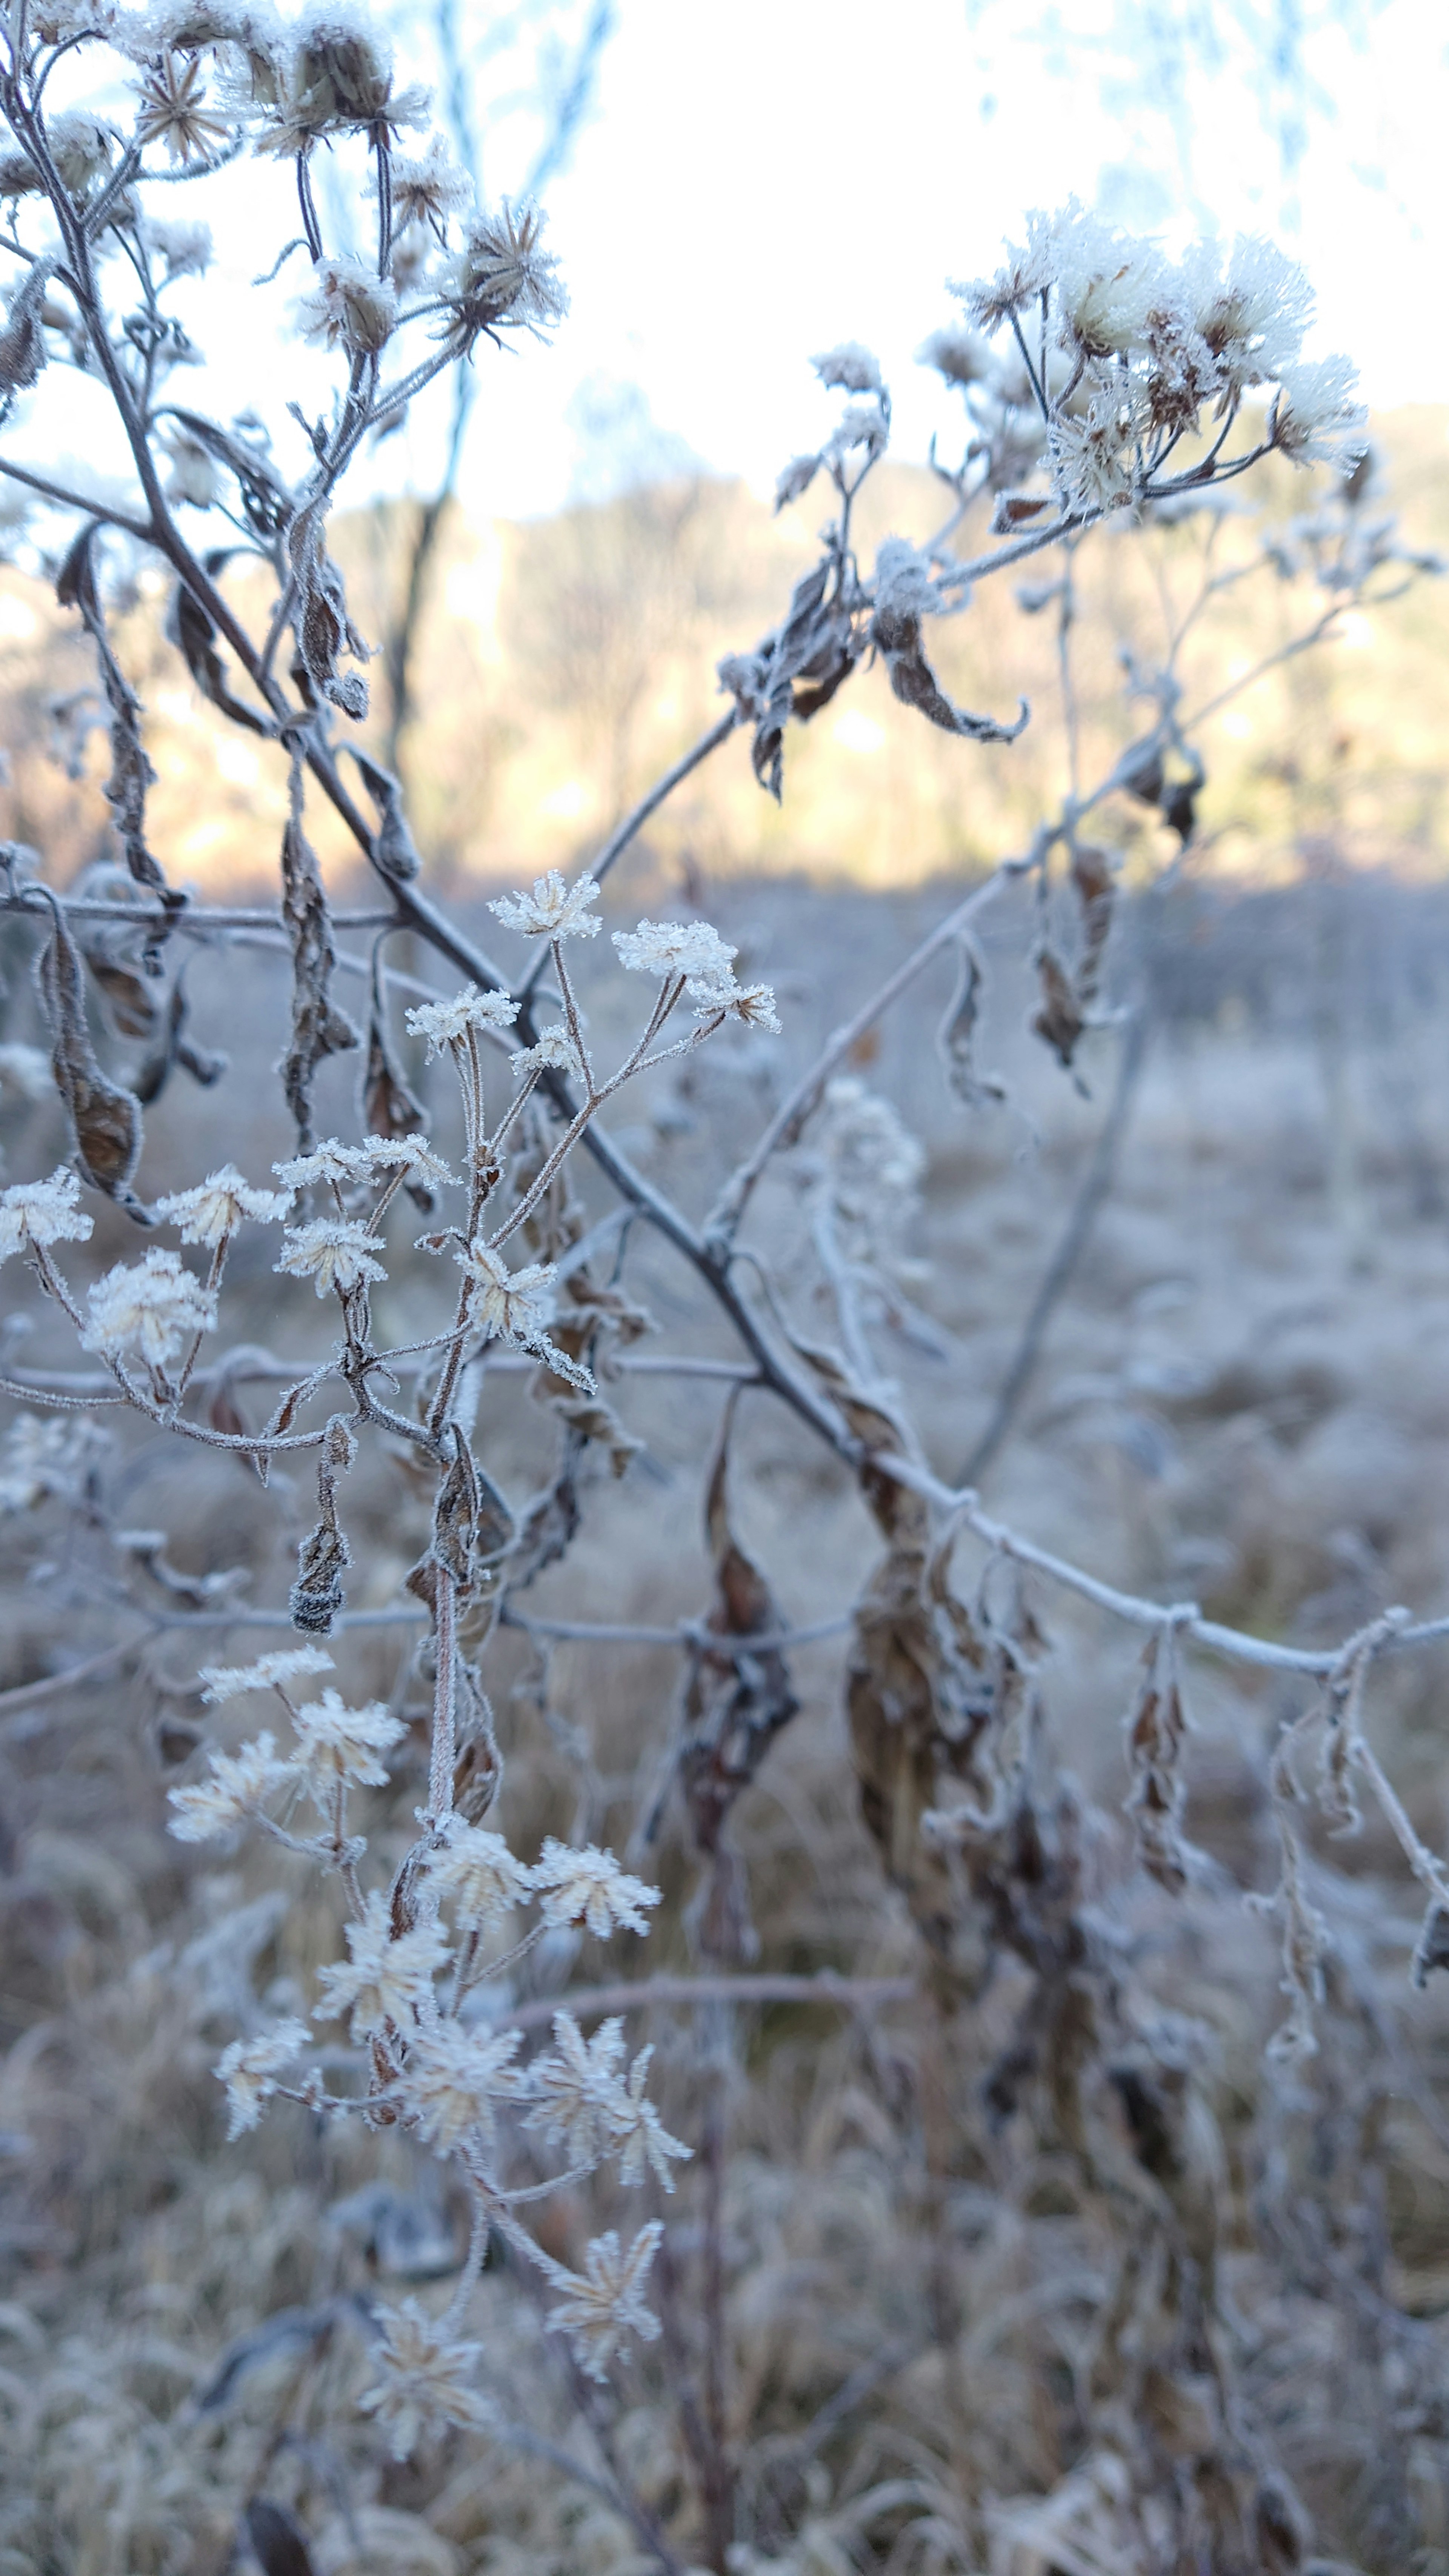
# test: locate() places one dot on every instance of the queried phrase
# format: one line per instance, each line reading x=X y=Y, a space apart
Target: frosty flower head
x=1107 y=285
x=478 y=1872
x=228 y=1681
x=583 y=2096
x=424 y=2380
x=147 y=1310
x=851 y=367
x=34 y=1214
x=330 y=1162
x=453 y=2079
x=963 y=357
x=1091 y=453
x=82 y=148
x=237 y=1784
x=554 y=910
x=407 y=1154
x=752 y=1004
x=338 y=1746
x=184 y=250
x=216 y=1208
x=553 y=1050
x=428 y=190
x=1252 y=316
x=336 y=79
x=250 y=2070
x=1315 y=418
x=668 y=948
x=349 y=303
x=333 y=1252
x=385 y=1979
x=515 y=1304
x=606 y=2302
x=588 y=1891
x=174 y=112
x=447 y=1024
x=503 y=278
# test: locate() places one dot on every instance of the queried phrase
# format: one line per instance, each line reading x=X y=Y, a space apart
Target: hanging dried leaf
x=317 y=1595
x=1096 y=889
x=105 y=1121
x=956 y=1037
x=131 y=771
x=266 y=501
x=393 y=853
x=320 y=621
x=1156 y=1732
x=191 y=629
x=897 y=634
x=473 y=1530
x=1059 y=1019
x=318 y=1028
x=794 y=672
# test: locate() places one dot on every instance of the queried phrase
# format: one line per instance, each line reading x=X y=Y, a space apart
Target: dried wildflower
x=333 y=1252
x=25 y=1071
x=337 y=1744
x=330 y=1163
x=407 y=1154
x=554 y=910
x=515 y=1304
x=637 y=2135
x=150 y=1309
x=589 y=1891
x=667 y=948
x=423 y=2380
x=37 y=1213
x=214 y=1210
x=961 y=356
x=250 y=2068
x=606 y=2302
x=553 y=1050
x=337 y=79
x=228 y=1681
x=349 y=303
x=851 y=367
x=453 y=2079
x=502 y=279
x=1091 y=451
x=82 y=148
x=40 y=1457
x=478 y=1872
x=428 y=190
x=576 y=2088
x=1252 y=318
x=1024 y=274
x=239 y=1783
x=1315 y=418
x=752 y=1004
x=185 y=250
x=446 y=1024
x=172 y=102
x=388 y=1975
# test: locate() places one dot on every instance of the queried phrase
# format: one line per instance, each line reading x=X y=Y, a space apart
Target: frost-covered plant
x=1101 y=382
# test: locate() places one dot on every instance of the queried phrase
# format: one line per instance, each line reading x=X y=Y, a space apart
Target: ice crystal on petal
x=336 y=1743
x=447 y=1023
x=228 y=1681
x=239 y=1783
x=453 y=2079
x=250 y=2067
x=42 y=1212
x=689 y=948
x=554 y=910
x=606 y=2302
x=478 y=1872
x=385 y=1977
x=424 y=2379
x=333 y=1252
x=215 y=1208
x=589 y=1890
x=149 y=1309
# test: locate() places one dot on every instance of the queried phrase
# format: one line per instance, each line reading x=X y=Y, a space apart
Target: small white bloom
x=336 y=1744
x=515 y=1304
x=446 y=1024
x=637 y=2135
x=42 y=1212
x=424 y=2379
x=478 y=1872
x=553 y=1049
x=752 y=1004
x=667 y=948
x=453 y=2079
x=186 y=249
x=351 y=303
x=588 y=1889
x=250 y=2067
x=851 y=367
x=407 y=1154
x=333 y=1252
x=429 y=188
x=1316 y=418
x=503 y=278
x=331 y=1162
x=151 y=1307
x=238 y=1785
x=386 y=1976
x=606 y=2300
x=228 y=1681
x=576 y=2088
x=554 y=910
x=216 y=1207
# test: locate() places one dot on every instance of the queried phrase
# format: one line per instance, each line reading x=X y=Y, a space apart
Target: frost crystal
x=606 y=2301
x=337 y=1744
x=453 y=2079
x=215 y=1209
x=588 y=1890
x=228 y=1681
x=478 y=1871
x=334 y=1252
x=42 y=1212
x=250 y=2067
x=424 y=2379
x=447 y=1023
x=688 y=948
x=239 y=1784
x=554 y=910
x=150 y=1308
x=387 y=1977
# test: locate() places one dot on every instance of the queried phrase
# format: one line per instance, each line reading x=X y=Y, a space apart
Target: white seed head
x=666 y=948
x=147 y=1309
x=554 y=910
x=333 y=1252
x=588 y=1890
x=453 y=2079
x=424 y=2379
x=446 y=1024
x=385 y=1978
x=229 y=1681
x=41 y=1213
x=338 y=1745
x=514 y=1304
x=606 y=2301
x=237 y=1786
x=213 y=1210
x=478 y=1873
x=250 y=2069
